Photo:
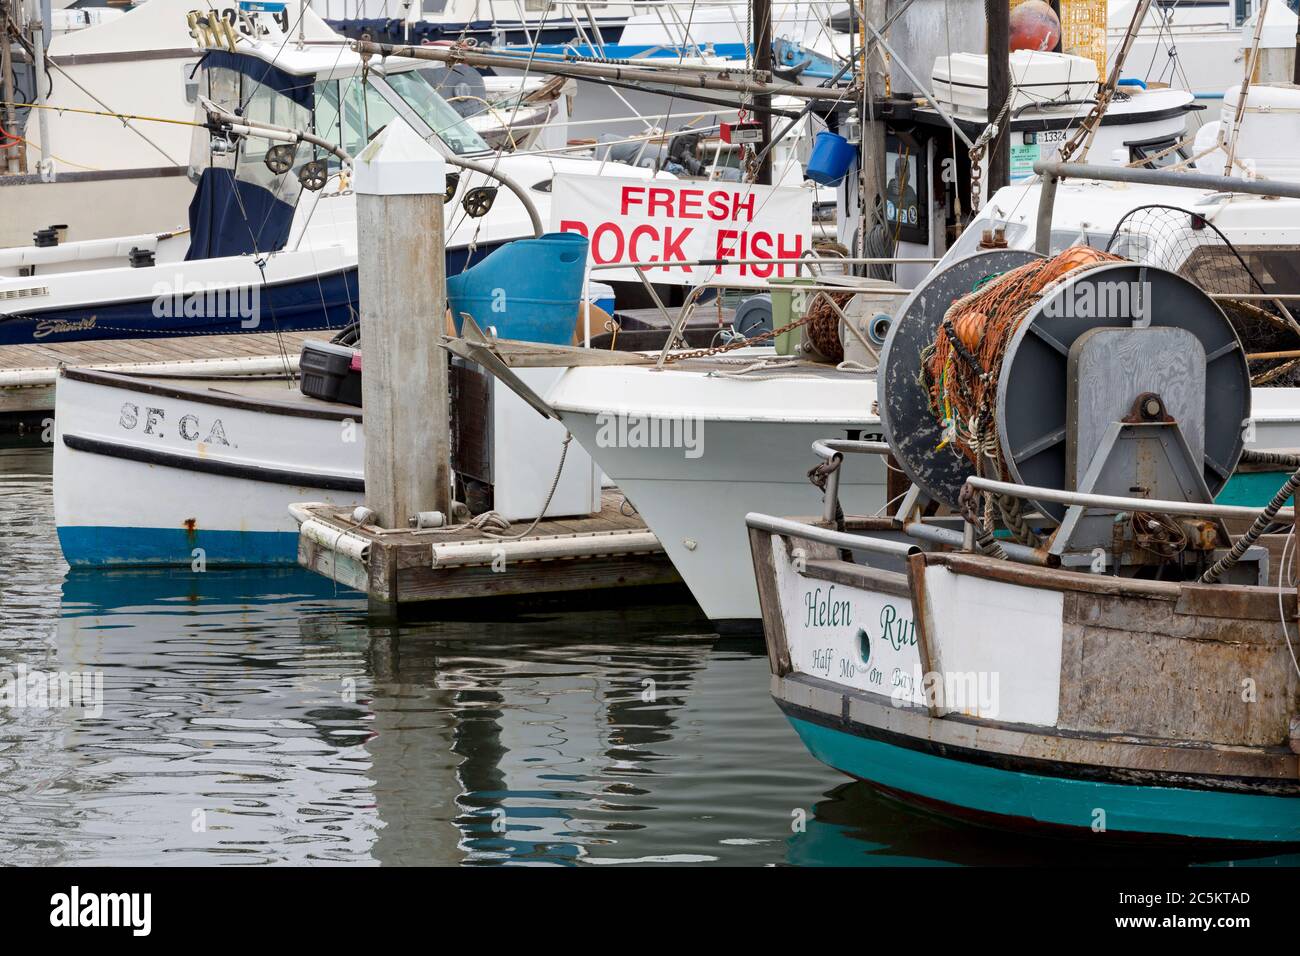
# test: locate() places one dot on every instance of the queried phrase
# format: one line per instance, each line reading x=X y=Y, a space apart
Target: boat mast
x=998 y=48
x=1252 y=62
x=41 y=18
x=761 y=17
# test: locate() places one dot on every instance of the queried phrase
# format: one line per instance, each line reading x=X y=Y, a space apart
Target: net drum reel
x=1118 y=379
x=912 y=432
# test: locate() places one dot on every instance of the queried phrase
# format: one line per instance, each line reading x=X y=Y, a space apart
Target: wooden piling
x=402 y=285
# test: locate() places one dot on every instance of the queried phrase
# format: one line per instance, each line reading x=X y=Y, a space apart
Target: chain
x=738 y=344
x=977 y=152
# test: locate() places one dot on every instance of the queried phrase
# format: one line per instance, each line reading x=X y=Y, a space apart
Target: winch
x=1082 y=373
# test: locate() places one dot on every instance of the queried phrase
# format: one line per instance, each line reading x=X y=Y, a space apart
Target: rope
x=495 y=525
x=961 y=367
x=1261 y=524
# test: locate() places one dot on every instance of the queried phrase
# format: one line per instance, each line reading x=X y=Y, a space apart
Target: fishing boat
x=106 y=149
x=1057 y=630
x=201 y=470
x=1199 y=46
x=480 y=21
x=271 y=242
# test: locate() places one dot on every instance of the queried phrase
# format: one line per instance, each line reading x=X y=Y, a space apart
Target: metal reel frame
x=1031 y=410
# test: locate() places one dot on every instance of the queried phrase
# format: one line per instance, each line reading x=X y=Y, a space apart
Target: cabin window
x=434 y=6
x=190 y=74
x=221 y=86
x=441 y=117
x=329 y=116
x=1156 y=153
x=1062 y=239
x=907 y=197
x=266 y=105
x=1277 y=268
x=365 y=113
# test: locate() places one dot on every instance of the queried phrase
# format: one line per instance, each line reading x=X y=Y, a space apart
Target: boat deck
x=562 y=556
x=28 y=372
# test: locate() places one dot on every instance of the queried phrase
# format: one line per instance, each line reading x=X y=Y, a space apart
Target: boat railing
x=862 y=544
x=1052 y=172
x=1194 y=509
x=832 y=451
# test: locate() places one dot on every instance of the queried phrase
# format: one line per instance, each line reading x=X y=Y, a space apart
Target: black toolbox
x=331 y=372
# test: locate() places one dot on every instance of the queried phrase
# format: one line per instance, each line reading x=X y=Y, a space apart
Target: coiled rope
x=1265 y=519
x=960 y=369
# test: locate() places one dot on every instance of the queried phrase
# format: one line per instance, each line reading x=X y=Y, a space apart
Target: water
x=254 y=717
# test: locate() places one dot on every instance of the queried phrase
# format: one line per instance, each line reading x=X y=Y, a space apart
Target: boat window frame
x=398 y=103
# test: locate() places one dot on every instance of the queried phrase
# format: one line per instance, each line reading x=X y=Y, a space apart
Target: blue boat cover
x=300 y=89
x=229 y=217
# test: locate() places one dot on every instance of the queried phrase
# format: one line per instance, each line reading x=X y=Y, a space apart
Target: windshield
x=450 y=126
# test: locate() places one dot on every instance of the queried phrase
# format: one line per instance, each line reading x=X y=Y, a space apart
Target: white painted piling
x=400 y=180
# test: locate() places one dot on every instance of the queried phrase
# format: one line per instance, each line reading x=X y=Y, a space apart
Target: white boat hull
x=749 y=449
x=147 y=474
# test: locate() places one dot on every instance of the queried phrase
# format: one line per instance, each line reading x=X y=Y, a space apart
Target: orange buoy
x=970 y=329
x=1034 y=26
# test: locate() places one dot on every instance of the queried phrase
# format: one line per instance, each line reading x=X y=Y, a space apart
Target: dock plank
x=43 y=359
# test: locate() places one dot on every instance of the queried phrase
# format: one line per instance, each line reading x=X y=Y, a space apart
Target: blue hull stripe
x=314 y=302
x=1055 y=801
x=175 y=547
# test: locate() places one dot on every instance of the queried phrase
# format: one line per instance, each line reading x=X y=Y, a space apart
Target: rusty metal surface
x=1129 y=666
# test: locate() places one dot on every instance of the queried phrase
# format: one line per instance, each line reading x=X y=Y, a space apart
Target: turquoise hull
x=1253 y=489
x=1021 y=799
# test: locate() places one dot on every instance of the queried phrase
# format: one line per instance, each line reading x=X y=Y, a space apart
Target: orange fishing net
x=960 y=369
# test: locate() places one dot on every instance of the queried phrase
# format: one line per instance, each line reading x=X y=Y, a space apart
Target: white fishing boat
x=100 y=176
x=195 y=472
x=199 y=472
x=264 y=251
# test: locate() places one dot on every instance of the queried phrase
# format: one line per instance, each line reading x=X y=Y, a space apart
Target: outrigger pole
x=598 y=71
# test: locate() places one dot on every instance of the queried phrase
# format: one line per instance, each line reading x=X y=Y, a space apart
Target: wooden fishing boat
x=1036 y=697
x=1058 y=630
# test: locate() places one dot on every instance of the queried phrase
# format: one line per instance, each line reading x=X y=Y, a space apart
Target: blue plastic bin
x=831 y=158
x=528 y=289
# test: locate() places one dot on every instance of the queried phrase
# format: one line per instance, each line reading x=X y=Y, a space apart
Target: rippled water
x=254 y=717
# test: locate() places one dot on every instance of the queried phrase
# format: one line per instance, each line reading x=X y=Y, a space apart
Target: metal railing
x=1052 y=173
x=836 y=539
x=832 y=450
x=1116 y=503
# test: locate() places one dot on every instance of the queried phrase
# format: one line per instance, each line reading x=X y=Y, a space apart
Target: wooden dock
x=28 y=372
x=399 y=569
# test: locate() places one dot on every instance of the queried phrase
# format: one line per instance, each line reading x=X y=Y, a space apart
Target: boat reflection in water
x=256 y=717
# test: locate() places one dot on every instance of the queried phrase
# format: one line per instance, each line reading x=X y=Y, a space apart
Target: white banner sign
x=681 y=221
